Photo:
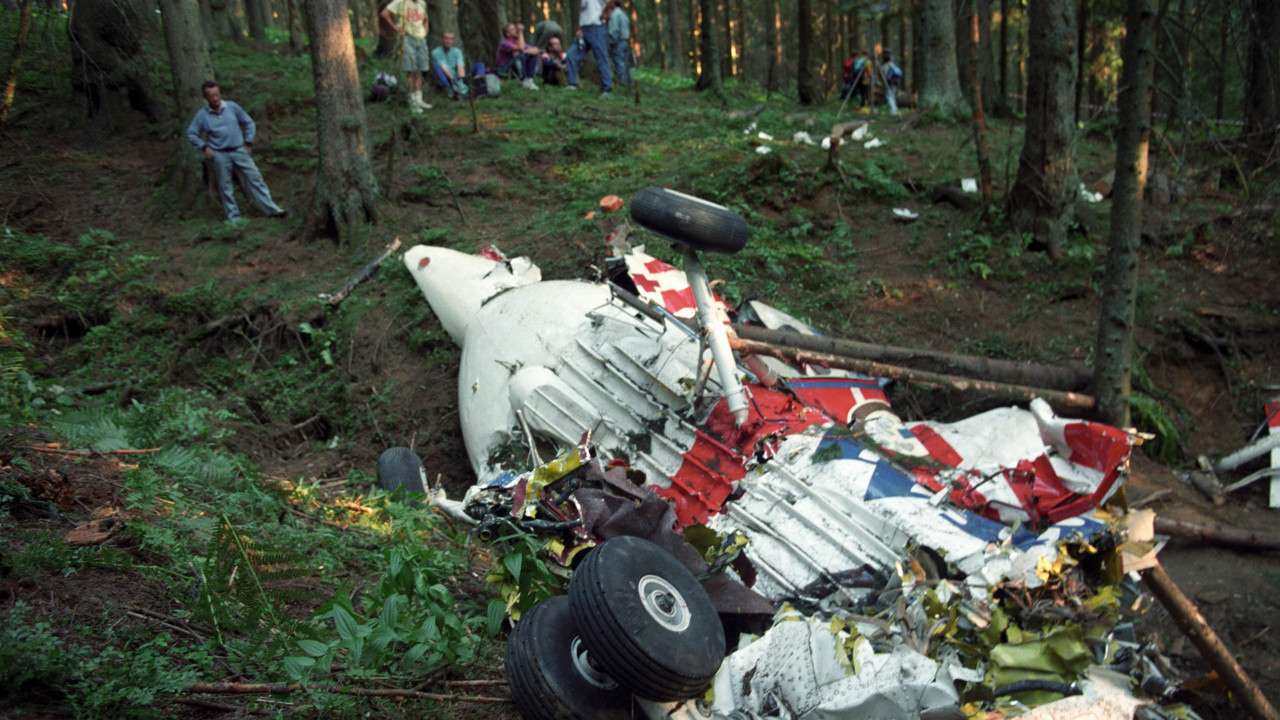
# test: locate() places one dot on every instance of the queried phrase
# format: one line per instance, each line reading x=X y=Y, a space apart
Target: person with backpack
x=862 y=78
x=892 y=79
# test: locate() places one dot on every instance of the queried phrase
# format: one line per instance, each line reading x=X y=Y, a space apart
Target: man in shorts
x=408 y=19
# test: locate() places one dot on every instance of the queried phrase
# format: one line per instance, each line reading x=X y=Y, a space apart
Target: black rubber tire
x=545 y=681
x=399 y=467
x=661 y=656
x=689 y=220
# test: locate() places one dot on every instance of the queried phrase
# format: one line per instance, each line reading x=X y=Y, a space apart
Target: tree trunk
x=15 y=63
x=1004 y=49
x=1114 y=356
x=940 y=89
x=979 y=120
x=109 y=68
x=443 y=15
x=709 y=52
x=774 y=82
x=481 y=23
x=190 y=66
x=225 y=23
x=993 y=101
x=1262 y=80
x=1044 y=193
x=804 y=53
x=253 y=18
x=346 y=191
x=679 y=58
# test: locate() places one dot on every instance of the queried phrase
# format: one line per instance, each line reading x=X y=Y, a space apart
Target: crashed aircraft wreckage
x=858 y=566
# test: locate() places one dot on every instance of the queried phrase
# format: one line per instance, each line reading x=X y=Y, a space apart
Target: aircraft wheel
x=646 y=620
x=399 y=467
x=551 y=674
x=689 y=220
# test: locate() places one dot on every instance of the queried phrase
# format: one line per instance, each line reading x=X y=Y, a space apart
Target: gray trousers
x=224 y=164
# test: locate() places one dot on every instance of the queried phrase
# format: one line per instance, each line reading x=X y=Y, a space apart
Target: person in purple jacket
x=225 y=132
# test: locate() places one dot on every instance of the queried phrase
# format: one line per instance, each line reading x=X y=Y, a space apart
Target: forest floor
x=1209 y=332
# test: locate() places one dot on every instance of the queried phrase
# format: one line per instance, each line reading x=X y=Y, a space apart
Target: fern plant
x=245 y=592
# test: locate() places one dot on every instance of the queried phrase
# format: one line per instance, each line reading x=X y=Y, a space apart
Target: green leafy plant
x=410 y=624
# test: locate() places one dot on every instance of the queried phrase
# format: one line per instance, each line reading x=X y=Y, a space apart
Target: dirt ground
x=1213 y=360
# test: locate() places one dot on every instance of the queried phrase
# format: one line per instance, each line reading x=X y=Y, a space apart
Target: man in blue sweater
x=224 y=132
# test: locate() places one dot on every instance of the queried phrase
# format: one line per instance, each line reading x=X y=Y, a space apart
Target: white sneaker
x=529 y=84
x=570 y=87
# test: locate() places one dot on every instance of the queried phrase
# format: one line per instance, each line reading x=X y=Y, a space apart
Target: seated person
x=448 y=67
x=544 y=30
x=515 y=57
x=554 y=66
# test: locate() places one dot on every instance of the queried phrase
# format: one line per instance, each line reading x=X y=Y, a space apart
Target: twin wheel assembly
x=636 y=622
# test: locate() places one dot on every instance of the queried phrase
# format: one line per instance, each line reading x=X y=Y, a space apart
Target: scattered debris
x=802 y=137
x=905 y=215
x=611 y=203
x=969 y=185
x=919 y=566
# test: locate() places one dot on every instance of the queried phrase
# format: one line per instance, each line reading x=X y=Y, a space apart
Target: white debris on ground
x=802 y=137
x=764 y=150
x=905 y=215
x=873 y=143
x=1088 y=195
x=764 y=136
x=969 y=185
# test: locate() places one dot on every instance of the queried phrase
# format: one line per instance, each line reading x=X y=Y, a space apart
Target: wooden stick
x=1219 y=534
x=364 y=273
x=285 y=688
x=1193 y=625
x=1017 y=373
x=1058 y=399
x=91 y=453
x=219 y=706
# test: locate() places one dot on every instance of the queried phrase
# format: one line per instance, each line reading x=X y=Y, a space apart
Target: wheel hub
x=664 y=603
x=589 y=672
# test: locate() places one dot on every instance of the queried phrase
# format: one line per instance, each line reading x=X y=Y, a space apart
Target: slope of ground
x=1209 y=309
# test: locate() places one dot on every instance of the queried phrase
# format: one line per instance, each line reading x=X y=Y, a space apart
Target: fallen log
x=286 y=688
x=1005 y=391
x=1217 y=534
x=1006 y=371
x=1193 y=625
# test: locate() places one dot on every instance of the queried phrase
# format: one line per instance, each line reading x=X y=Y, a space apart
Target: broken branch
x=285 y=688
x=1219 y=534
x=363 y=275
x=1058 y=399
x=1194 y=626
x=1016 y=373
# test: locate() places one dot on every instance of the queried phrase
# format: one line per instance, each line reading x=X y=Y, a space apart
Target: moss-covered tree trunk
x=190 y=65
x=940 y=82
x=804 y=53
x=444 y=16
x=109 y=68
x=345 y=191
x=225 y=22
x=1114 y=357
x=1043 y=196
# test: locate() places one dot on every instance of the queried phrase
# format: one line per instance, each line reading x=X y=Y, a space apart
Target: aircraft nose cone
x=457 y=284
